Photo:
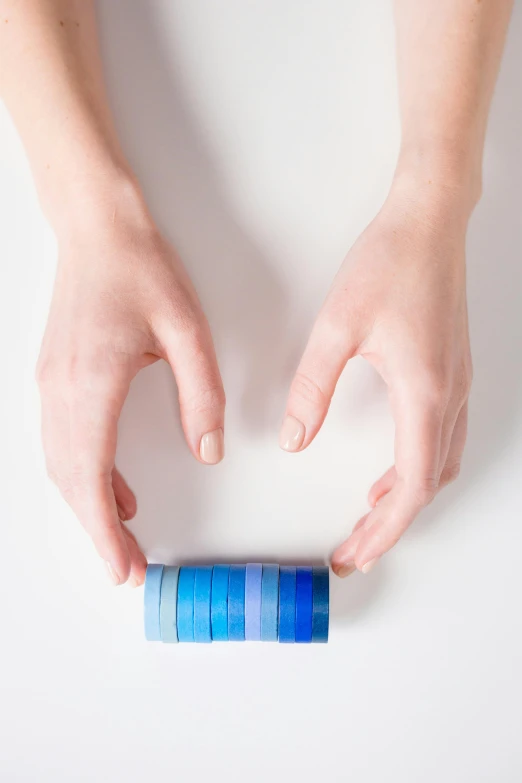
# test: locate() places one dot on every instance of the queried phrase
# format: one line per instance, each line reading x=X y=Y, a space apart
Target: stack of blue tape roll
x=236 y=603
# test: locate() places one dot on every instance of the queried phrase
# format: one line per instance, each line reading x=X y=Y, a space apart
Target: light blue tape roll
x=202 y=591
x=169 y=604
x=269 y=603
x=287 y=584
x=151 y=600
x=253 y=580
x=186 y=604
x=236 y=603
x=219 y=603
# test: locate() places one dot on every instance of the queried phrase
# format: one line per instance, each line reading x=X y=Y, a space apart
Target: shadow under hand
x=240 y=292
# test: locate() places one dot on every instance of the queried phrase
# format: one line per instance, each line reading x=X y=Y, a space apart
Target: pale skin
x=123 y=298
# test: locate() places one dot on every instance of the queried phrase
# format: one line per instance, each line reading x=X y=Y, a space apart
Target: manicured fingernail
x=121 y=513
x=344 y=570
x=212 y=447
x=292 y=434
x=367 y=567
x=113 y=575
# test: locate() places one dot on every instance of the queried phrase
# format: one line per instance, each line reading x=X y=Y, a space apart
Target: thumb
x=191 y=355
x=325 y=357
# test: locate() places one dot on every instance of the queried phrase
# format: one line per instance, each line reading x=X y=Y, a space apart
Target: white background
x=265 y=136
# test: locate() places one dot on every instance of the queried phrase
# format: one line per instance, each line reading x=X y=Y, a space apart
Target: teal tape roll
x=151 y=600
x=269 y=603
x=169 y=604
x=219 y=603
x=202 y=590
x=185 y=606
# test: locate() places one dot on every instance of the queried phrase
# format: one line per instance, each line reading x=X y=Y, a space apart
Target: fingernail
x=212 y=447
x=343 y=570
x=121 y=513
x=132 y=581
x=367 y=567
x=292 y=434
x=113 y=575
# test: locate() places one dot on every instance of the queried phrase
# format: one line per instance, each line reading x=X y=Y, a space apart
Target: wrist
x=442 y=174
x=100 y=204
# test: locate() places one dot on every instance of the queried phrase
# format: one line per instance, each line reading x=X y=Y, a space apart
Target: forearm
x=51 y=81
x=448 y=55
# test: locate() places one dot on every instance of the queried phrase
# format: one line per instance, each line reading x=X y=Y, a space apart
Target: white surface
x=265 y=136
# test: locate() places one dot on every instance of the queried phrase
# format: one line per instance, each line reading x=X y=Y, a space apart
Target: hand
x=122 y=300
x=399 y=300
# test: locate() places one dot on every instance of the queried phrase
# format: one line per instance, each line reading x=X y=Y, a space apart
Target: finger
x=329 y=349
x=80 y=438
x=125 y=497
x=382 y=486
x=418 y=437
x=343 y=559
x=138 y=560
x=451 y=468
x=201 y=396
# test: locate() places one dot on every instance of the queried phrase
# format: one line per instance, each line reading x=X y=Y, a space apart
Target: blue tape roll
x=186 y=604
x=270 y=603
x=219 y=603
x=202 y=591
x=253 y=580
x=303 y=605
x=236 y=603
x=287 y=580
x=168 y=604
x=321 y=603
x=151 y=600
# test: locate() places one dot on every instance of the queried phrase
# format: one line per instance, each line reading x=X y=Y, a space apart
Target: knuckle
x=450 y=473
x=207 y=400
x=425 y=489
x=307 y=389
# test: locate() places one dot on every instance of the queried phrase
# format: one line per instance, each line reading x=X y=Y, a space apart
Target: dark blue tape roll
x=269 y=603
x=287 y=580
x=236 y=603
x=169 y=604
x=303 y=605
x=186 y=604
x=151 y=601
x=202 y=591
x=219 y=603
x=321 y=603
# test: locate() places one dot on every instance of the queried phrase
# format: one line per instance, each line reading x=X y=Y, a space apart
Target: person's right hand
x=122 y=300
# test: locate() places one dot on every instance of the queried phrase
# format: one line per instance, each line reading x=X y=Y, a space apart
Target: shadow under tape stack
x=235 y=603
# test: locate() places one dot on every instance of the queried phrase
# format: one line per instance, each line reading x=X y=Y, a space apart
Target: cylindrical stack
x=253 y=602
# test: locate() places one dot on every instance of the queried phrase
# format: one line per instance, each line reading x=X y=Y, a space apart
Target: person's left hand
x=399 y=300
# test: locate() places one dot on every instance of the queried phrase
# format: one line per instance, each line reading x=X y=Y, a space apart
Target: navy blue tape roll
x=320 y=603
x=151 y=601
x=202 y=590
x=270 y=603
x=287 y=581
x=303 y=605
x=219 y=603
x=185 y=614
x=236 y=603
